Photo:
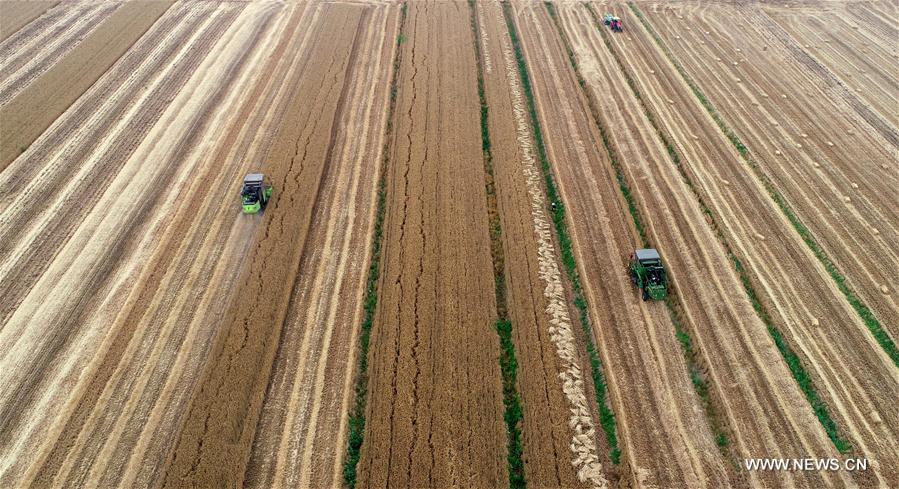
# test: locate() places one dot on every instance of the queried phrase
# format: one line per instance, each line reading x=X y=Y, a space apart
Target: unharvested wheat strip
x=317 y=294
x=318 y=323
x=434 y=415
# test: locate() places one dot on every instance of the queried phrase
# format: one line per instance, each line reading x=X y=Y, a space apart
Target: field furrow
x=435 y=410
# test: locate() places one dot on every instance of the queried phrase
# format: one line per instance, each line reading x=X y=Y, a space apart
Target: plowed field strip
x=28 y=114
x=665 y=440
x=435 y=407
x=17 y=14
x=804 y=143
x=300 y=438
x=21 y=64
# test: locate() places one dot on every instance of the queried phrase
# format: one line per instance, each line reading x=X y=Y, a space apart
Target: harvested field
x=424 y=305
x=19 y=13
x=822 y=147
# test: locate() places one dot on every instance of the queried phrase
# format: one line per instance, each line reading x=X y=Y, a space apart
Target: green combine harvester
x=648 y=274
x=256 y=193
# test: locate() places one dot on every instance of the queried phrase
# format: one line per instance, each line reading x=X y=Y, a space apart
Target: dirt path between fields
x=435 y=410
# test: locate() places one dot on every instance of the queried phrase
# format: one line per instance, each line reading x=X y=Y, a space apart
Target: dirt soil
x=435 y=410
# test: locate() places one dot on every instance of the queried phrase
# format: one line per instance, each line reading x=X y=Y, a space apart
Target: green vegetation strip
x=872 y=323
x=691 y=356
x=793 y=362
x=356 y=424
x=606 y=416
x=508 y=364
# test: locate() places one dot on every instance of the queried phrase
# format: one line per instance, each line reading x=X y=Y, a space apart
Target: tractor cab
x=255 y=193
x=612 y=21
x=648 y=274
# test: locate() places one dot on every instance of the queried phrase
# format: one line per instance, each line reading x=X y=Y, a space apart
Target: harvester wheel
x=645 y=295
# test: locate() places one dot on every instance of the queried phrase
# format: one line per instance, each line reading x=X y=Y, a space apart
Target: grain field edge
x=356 y=421
x=514 y=415
x=606 y=415
x=871 y=322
